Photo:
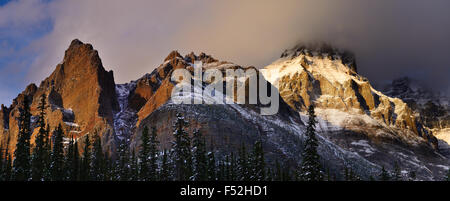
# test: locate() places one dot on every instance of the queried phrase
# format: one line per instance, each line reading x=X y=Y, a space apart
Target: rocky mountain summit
x=431 y=107
x=81 y=96
x=359 y=127
x=352 y=113
x=324 y=78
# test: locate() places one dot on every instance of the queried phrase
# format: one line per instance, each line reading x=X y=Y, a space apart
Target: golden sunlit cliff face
x=153 y=90
x=328 y=80
x=80 y=95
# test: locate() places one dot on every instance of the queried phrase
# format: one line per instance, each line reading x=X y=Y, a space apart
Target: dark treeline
x=189 y=159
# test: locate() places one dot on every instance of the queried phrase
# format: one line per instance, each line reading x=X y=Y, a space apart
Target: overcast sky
x=390 y=38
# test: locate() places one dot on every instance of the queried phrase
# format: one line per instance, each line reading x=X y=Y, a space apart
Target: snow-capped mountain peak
x=350 y=111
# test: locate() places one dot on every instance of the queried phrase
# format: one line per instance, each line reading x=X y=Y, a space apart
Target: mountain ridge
x=80 y=93
x=309 y=76
x=432 y=107
x=359 y=127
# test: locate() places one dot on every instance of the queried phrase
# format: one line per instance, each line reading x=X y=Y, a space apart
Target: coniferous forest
x=189 y=159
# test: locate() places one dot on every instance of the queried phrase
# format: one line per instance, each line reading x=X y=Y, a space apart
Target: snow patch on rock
x=365 y=145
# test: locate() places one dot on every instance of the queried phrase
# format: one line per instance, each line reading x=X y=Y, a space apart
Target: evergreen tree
x=258 y=163
x=287 y=175
x=297 y=176
x=384 y=175
x=153 y=151
x=200 y=160
x=165 y=171
x=278 y=172
x=134 y=169
x=269 y=175
x=448 y=176
x=220 y=171
x=47 y=149
x=2 y=164
x=351 y=175
x=85 y=170
x=57 y=156
x=98 y=160
x=211 y=172
x=243 y=169
x=68 y=157
x=68 y=161
x=212 y=169
x=181 y=150
x=22 y=166
x=397 y=173
x=233 y=168
x=328 y=175
x=346 y=174
x=311 y=169
x=144 y=155
x=251 y=165
x=75 y=163
x=39 y=159
x=109 y=168
x=7 y=167
x=412 y=176
x=227 y=175
x=122 y=163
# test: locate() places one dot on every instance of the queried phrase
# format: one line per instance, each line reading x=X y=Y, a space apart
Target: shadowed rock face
x=80 y=93
x=228 y=127
x=432 y=108
x=4 y=118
